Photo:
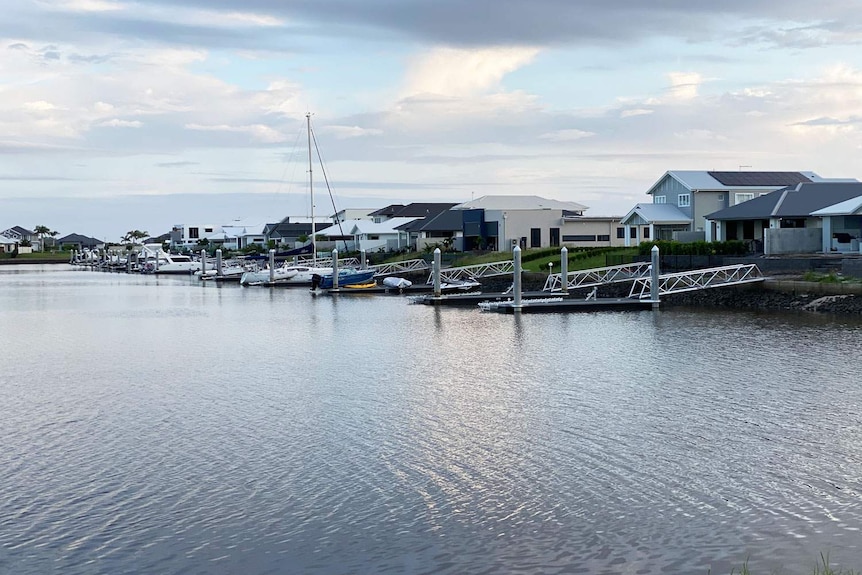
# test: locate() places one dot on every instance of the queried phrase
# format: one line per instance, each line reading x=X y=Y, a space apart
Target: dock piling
x=654 y=277
x=516 y=278
x=435 y=272
x=219 y=269
x=271 y=266
x=564 y=269
x=335 y=268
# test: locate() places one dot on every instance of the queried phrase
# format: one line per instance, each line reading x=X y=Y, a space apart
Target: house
x=502 y=222
x=802 y=218
x=288 y=233
x=446 y=227
x=23 y=235
x=188 y=236
x=689 y=195
x=368 y=235
x=352 y=214
x=80 y=242
x=8 y=243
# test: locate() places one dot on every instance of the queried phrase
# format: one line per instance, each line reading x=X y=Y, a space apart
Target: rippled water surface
x=154 y=425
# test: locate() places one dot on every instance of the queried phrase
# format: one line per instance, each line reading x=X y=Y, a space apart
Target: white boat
x=153 y=259
x=298 y=274
x=230 y=271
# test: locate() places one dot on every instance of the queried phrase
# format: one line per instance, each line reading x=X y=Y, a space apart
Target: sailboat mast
x=311 y=191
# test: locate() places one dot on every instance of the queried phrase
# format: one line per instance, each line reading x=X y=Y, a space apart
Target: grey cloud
x=826 y=121
x=456 y=22
x=176 y=164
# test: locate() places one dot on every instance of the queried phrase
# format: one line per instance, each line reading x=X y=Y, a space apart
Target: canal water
x=156 y=425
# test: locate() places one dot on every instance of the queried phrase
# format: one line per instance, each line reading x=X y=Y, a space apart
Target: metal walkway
x=698 y=279
x=399 y=267
x=477 y=271
x=598 y=276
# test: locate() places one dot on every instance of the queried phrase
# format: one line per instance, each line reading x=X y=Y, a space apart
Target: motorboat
x=153 y=259
x=346 y=278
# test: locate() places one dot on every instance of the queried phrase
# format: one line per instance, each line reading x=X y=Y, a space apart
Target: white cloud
x=566 y=135
x=684 y=85
x=346 y=132
x=258 y=132
x=635 y=112
x=117 y=123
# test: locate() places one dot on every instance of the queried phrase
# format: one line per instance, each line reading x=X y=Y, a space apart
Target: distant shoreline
x=28 y=261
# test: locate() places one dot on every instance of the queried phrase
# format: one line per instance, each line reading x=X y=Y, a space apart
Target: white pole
x=435 y=272
x=219 y=270
x=564 y=269
x=271 y=266
x=516 y=255
x=654 y=278
x=335 y=268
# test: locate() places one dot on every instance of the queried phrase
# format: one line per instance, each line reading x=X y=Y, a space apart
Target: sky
x=136 y=115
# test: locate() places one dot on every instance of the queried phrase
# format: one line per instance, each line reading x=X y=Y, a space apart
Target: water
x=155 y=425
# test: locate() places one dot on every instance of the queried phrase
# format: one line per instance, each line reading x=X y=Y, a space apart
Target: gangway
x=598 y=276
x=698 y=279
x=476 y=271
x=399 y=267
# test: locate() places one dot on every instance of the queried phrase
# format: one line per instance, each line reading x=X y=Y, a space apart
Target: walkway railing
x=476 y=271
x=598 y=276
x=698 y=279
x=399 y=267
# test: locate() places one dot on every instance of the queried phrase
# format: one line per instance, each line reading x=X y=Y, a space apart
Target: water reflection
x=151 y=424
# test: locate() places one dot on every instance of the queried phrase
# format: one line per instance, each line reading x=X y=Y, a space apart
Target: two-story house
x=681 y=200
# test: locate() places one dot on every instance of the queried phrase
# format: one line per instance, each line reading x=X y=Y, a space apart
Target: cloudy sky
x=118 y=115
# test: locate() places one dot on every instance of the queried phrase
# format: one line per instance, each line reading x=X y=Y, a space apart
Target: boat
x=346 y=278
x=153 y=259
x=294 y=274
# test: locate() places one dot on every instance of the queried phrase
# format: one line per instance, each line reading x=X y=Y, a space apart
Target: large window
x=743 y=197
x=684 y=200
x=194 y=233
x=621 y=233
x=579 y=238
x=659 y=200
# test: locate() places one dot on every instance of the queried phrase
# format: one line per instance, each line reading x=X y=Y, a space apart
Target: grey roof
x=79 y=239
x=6 y=240
x=703 y=180
x=519 y=203
x=448 y=221
x=656 y=214
x=797 y=202
x=849 y=207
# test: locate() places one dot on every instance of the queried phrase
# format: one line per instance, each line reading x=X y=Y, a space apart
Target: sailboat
x=295 y=274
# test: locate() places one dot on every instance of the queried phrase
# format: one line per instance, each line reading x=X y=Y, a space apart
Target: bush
x=671 y=248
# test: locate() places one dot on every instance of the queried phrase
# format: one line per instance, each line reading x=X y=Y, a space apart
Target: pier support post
x=435 y=272
x=203 y=263
x=219 y=270
x=158 y=257
x=516 y=280
x=654 y=275
x=271 y=266
x=335 y=268
x=564 y=269
x=363 y=259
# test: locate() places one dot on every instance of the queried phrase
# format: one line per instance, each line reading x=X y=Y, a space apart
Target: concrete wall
x=792 y=241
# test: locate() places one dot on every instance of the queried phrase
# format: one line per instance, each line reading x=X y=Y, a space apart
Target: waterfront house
x=7 y=243
x=502 y=222
x=689 y=195
x=368 y=235
x=804 y=218
x=80 y=242
x=291 y=231
x=188 y=236
x=22 y=235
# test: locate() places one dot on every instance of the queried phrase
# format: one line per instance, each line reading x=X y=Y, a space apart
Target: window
x=633 y=233
x=659 y=200
x=743 y=197
x=646 y=233
x=535 y=237
x=208 y=230
x=579 y=238
x=603 y=238
x=684 y=200
x=194 y=233
x=621 y=233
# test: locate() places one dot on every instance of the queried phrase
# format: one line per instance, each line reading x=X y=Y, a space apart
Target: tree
x=135 y=235
x=42 y=231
